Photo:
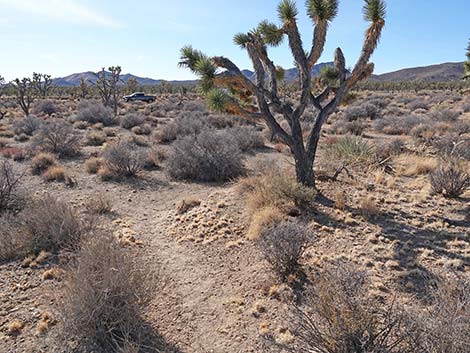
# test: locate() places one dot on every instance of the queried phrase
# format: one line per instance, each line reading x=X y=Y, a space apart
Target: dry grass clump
x=337 y=315
x=368 y=207
x=100 y=204
x=186 y=204
x=144 y=129
x=262 y=219
x=57 y=137
x=124 y=159
x=41 y=162
x=93 y=164
x=413 y=165
x=450 y=179
x=95 y=138
x=14 y=328
x=105 y=298
x=276 y=190
x=211 y=156
x=282 y=245
x=54 y=173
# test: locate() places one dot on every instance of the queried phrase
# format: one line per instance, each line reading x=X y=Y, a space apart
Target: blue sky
x=61 y=37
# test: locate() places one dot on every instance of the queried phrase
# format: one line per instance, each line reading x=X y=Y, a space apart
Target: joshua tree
x=26 y=93
x=466 y=64
x=230 y=91
x=132 y=85
x=83 y=88
x=42 y=83
x=107 y=85
x=2 y=89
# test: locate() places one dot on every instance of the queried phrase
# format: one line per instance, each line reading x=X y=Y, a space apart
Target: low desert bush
x=51 y=225
x=144 y=129
x=248 y=138
x=363 y=111
x=444 y=114
x=27 y=125
x=46 y=107
x=388 y=149
x=94 y=112
x=41 y=162
x=453 y=146
x=124 y=159
x=93 y=164
x=337 y=315
x=418 y=103
x=276 y=190
x=9 y=182
x=398 y=125
x=95 y=138
x=99 y=204
x=444 y=325
x=209 y=156
x=131 y=120
x=262 y=219
x=106 y=296
x=57 y=137
x=283 y=245
x=450 y=179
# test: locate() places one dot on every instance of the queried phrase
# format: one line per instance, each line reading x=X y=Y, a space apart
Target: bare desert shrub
x=398 y=125
x=131 y=120
x=248 y=138
x=389 y=149
x=124 y=159
x=57 y=137
x=106 y=296
x=209 y=156
x=418 y=103
x=41 y=162
x=453 y=146
x=46 y=107
x=444 y=114
x=9 y=183
x=363 y=111
x=94 y=112
x=27 y=125
x=262 y=219
x=12 y=240
x=183 y=125
x=283 y=245
x=52 y=224
x=99 y=204
x=444 y=325
x=450 y=179
x=338 y=316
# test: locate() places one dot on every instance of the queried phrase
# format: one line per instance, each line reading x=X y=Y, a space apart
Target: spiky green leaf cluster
x=374 y=10
x=322 y=10
x=280 y=73
x=217 y=100
x=287 y=10
x=270 y=33
x=242 y=39
x=329 y=76
x=189 y=57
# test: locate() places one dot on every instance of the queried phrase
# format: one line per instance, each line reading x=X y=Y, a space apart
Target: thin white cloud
x=71 y=11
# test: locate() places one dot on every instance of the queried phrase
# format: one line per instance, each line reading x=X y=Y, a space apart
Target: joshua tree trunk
x=259 y=100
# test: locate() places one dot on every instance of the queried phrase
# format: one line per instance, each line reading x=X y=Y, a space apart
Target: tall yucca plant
x=227 y=89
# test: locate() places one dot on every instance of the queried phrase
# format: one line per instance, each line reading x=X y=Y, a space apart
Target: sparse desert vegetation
x=325 y=214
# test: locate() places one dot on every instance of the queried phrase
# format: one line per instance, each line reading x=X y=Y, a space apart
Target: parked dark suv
x=139 y=96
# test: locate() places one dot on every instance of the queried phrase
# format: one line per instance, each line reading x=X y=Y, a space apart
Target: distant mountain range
x=434 y=73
